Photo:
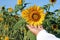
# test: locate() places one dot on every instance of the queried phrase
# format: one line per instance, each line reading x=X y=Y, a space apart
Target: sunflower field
x=13 y=25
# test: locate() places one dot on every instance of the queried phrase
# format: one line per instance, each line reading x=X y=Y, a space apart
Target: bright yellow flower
x=34 y=15
x=10 y=9
x=6 y=38
x=52 y=1
x=1 y=19
x=19 y=2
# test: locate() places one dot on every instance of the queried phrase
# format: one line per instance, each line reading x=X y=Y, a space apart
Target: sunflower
x=19 y=2
x=54 y=27
x=52 y=1
x=10 y=9
x=33 y=15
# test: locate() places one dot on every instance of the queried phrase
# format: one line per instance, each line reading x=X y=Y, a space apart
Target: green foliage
x=14 y=25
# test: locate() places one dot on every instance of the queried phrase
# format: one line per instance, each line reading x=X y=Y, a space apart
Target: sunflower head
x=34 y=15
x=54 y=27
x=52 y=1
x=19 y=2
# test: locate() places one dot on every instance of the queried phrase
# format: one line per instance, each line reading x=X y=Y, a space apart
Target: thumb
x=28 y=26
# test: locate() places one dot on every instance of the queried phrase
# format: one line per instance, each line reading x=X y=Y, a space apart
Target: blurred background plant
x=13 y=26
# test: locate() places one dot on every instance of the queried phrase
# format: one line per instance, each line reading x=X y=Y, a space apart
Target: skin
x=35 y=30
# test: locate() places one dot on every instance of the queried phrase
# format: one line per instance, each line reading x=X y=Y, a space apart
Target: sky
x=12 y=3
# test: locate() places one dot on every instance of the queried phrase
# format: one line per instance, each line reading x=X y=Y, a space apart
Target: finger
x=32 y=26
x=35 y=27
x=40 y=27
x=29 y=27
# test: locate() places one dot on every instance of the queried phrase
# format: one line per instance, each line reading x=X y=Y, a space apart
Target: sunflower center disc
x=53 y=1
x=54 y=26
x=35 y=17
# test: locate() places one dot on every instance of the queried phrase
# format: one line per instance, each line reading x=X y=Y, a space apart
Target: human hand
x=35 y=30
